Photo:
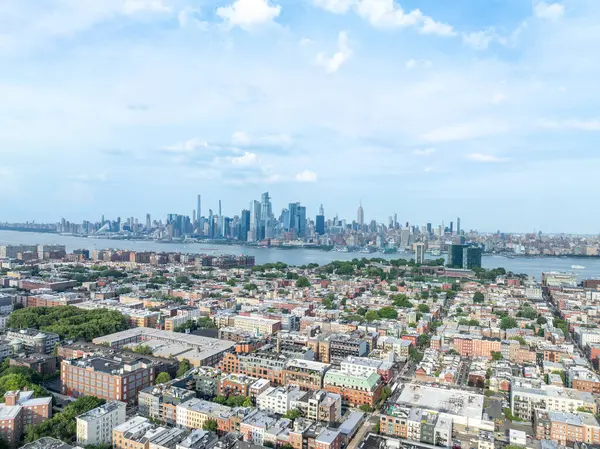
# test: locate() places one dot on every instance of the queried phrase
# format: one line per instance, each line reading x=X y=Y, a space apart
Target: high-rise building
x=458 y=226
x=420 y=253
x=321 y=210
x=360 y=215
x=148 y=221
x=320 y=224
x=464 y=256
x=220 y=211
x=429 y=228
x=292 y=211
x=199 y=209
x=301 y=221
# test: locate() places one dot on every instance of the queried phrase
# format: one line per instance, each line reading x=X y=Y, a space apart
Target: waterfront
x=533 y=267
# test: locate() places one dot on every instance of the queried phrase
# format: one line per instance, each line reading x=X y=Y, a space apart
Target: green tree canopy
x=371 y=315
x=63 y=426
x=302 y=282
x=478 y=298
x=423 y=308
x=69 y=322
x=388 y=312
x=184 y=367
x=210 y=425
x=508 y=322
x=162 y=378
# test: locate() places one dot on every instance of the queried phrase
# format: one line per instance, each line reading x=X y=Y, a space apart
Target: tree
x=63 y=426
x=425 y=294
x=478 y=298
x=184 y=367
x=520 y=339
x=231 y=282
x=371 y=315
x=302 y=282
x=496 y=355
x=250 y=286
x=143 y=349
x=423 y=340
x=542 y=320
x=388 y=312
x=508 y=322
x=210 y=425
x=162 y=378
x=247 y=402
x=423 y=308
x=69 y=322
x=268 y=444
x=293 y=414
x=366 y=408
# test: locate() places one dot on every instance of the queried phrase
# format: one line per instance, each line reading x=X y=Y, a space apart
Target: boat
x=367 y=250
x=577 y=267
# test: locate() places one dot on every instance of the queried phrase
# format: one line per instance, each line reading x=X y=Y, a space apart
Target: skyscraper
x=420 y=253
x=148 y=222
x=320 y=224
x=244 y=225
x=360 y=215
x=321 y=210
x=198 y=210
x=458 y=226
x=266 y=210
x=220 y=211
x=293 y=211
x=301 y=221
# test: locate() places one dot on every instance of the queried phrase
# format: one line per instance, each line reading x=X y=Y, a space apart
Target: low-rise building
x=21 y=409
x=159 y=402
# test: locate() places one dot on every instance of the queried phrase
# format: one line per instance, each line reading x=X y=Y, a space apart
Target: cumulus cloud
x=88 y=177
x=191 y=17
x=573 y=124
x=424 y=151
x=248 y=14
x=244 y=160
x=479 y=40
x=430 y=26
x=418 y=63
x=498 y=98
x=306 y=176
x=188 y=146
x=549 y=11
x=485 y=158
x=243 y=139
x=333 y=63
x=137 y=6
x=387 y=14
x=335 y=6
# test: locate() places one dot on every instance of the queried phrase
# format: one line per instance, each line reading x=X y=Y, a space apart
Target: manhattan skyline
x=429 y=110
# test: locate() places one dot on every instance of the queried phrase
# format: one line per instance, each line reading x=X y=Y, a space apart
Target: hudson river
x=530 y=266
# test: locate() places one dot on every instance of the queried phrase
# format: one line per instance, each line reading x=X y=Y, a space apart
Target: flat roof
x=453 y=402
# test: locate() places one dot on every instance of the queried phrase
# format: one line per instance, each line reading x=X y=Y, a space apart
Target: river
x=532 y=266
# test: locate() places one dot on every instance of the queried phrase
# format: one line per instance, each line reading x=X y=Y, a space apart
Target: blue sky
x=427 y=108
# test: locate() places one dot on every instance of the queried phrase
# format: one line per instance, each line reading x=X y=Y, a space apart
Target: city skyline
x=419 y=107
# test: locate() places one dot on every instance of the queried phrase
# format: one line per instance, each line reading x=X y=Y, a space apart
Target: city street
x=364 y=430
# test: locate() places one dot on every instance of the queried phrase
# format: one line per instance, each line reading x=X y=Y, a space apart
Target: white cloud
x=430 y=26
x=464 y=131
x=387 y=14
x=188 y=146
x=306 y=176
x=305 y=41
x=333 y=63
x=499 y=98
x=428 y=169
x=244 y=160
x=243 y=139
x=418 y=63
x=138 y=6
x=89 y=177
x=424 y=151
x=573 y=124
x=549 y=11
x=335 y=6
x=191 y=17
x=248 y=14
x=486 y=158
x=479 y=40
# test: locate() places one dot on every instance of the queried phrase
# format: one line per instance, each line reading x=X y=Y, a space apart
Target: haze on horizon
x=427 y=108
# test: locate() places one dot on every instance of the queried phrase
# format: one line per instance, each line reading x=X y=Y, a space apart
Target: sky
x=431 y=109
